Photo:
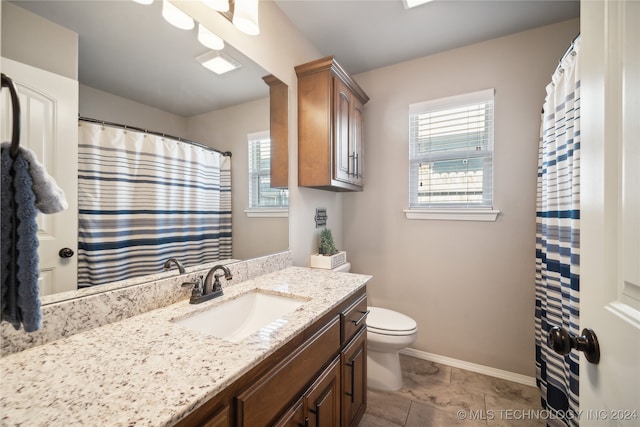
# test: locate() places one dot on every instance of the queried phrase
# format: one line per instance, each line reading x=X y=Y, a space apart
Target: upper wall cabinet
x=330 y=127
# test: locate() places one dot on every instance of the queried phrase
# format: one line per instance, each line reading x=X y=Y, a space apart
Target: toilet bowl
x=388 y=332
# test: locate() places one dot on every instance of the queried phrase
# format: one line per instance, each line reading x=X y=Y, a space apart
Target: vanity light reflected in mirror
x=245 y=16
x=176 y=17
x=209 y=39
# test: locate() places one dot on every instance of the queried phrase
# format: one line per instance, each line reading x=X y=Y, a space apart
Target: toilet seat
x=388 y=322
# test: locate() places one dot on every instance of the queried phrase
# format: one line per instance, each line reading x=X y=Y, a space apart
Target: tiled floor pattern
x=436 y=395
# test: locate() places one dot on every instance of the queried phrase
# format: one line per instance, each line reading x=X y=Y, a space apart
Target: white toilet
x=387 y=333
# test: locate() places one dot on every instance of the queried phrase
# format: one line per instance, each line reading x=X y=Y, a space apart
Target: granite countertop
x=147 y=370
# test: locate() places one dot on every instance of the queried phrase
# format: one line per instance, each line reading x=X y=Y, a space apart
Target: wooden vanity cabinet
x=330 y=127
x=316 y=379
x=354 y=362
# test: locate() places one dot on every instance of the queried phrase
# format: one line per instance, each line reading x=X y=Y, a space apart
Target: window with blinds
x=261 y=195
x=451 y=152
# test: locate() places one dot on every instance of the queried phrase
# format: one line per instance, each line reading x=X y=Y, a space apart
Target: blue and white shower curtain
x=558 y=240
x=143 y=199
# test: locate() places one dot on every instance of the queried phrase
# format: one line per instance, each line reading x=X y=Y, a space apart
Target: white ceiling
x=129 y=50
x=368 y=34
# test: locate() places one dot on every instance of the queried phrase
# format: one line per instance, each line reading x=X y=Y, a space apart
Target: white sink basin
x=237 y=318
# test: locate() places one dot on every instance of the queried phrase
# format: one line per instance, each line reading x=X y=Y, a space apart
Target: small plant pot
x=328 y=262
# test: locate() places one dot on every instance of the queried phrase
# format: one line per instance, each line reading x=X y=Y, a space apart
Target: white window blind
x=451 y=152
x=261 y=195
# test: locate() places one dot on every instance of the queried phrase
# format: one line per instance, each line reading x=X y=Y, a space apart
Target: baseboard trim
x=473 y=367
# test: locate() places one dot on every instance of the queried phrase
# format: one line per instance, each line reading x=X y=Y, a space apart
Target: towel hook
x=15 y=105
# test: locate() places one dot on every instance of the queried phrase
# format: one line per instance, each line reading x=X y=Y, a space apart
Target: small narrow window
x=261 y=195
x=451 y=153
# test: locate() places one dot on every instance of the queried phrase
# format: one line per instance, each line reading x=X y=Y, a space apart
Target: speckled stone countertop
x=147 y=370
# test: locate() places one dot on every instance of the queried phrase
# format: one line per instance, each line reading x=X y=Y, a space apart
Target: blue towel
x=20 y=292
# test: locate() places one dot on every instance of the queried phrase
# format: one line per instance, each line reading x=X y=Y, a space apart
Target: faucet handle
x=197 y=284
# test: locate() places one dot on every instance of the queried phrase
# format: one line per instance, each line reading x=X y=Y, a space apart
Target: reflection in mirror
x=136 y=69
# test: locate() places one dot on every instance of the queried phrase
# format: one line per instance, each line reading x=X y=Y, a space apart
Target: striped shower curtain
x=143 y=199
x=558 y=239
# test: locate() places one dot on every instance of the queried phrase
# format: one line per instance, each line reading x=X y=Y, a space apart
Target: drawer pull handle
x=364 y=315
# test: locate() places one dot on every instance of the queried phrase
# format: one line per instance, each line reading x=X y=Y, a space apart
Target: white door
x=49 y=110
x=610 y=210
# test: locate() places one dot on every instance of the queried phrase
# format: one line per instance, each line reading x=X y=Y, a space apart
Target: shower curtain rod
x=567 y=52
x=118 y=125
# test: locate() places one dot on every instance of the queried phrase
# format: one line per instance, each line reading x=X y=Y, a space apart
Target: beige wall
x=35 y=41
x=100 y=105
x=469 y=285
x=227 y=129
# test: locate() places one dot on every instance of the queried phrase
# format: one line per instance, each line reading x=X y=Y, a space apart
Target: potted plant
x=327 y=246
x=328 y=257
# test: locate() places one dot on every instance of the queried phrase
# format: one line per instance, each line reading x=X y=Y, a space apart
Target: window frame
x=463 y=211
x=253 y=175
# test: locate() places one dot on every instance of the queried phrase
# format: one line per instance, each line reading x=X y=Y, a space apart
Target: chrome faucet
x=205 y=291
x=167 y=265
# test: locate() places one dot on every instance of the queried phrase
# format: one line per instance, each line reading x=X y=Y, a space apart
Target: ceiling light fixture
x=245 y=16
x=219 y=5
x=176 y=17
x=408 y=4
x=145 y=2
x=218 y=62
x=209 y=39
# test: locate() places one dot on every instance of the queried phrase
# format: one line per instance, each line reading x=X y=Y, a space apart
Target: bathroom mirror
x=195 y=108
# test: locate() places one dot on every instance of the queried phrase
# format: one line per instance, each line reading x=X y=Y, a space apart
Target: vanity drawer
x=262 y=402
x=353 y=318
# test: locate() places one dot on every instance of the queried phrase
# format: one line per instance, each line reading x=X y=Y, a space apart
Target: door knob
x=562 y=341
x=65 y=253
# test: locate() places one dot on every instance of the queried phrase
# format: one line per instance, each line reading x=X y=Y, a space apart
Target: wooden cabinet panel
x=279 y=131
x=220 y=419
x=294 y=417
x=342 y=131
x=261 y=403
x=354 y=379
x=323 y=398
x=353 y=318
x=357 y=141
x=330 y=127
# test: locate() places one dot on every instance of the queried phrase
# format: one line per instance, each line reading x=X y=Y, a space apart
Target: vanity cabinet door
x=294 y=417
x=323 y=398
x=354 y=379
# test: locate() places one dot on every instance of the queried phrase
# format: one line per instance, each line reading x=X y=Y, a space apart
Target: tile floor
x=436 y=395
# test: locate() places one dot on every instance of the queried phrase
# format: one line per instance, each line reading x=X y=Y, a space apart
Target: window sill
x=453 y=214
x=267 y=213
